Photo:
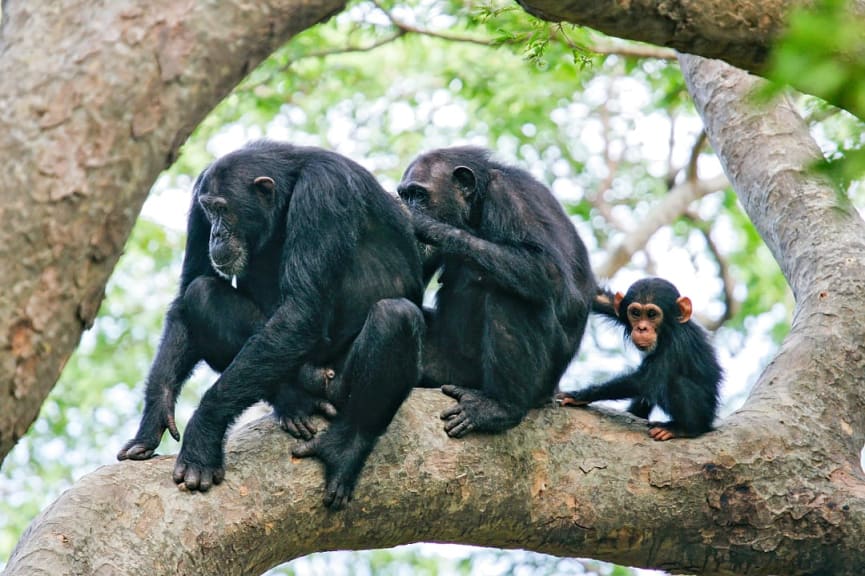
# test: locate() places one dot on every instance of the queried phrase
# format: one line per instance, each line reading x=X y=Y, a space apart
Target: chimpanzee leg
x=691 y=409
x=445 y=360
x=515 y=356
x=640 y=407
x=209 y=322
x=382 y=367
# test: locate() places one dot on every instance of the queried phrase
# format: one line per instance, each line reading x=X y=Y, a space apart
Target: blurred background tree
x=607 y=124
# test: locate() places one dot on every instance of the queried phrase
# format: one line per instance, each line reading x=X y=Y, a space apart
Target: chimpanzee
x=679 y=372
x=515 y=286
x=328 y=278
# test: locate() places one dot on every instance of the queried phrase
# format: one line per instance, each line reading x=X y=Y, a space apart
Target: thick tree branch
x=740 y=33
x=96 y=100
x=567 y=482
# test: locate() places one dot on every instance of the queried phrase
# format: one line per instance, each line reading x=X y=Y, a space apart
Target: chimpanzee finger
x=326 y=408
x=661 y=434
x=455 y=392
x=336 y=496
x=565 y=399
x=459 y=426
x=179 y=472
x=305 y=449
x=136 y=451
x=297 y=427
x=449 y=413
x=172 y=428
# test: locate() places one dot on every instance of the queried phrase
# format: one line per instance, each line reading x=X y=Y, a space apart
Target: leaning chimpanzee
x=679 y=372
x=515 y=286
x=327 y=276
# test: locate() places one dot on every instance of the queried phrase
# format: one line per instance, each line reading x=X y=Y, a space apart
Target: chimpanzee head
x=647 y=310
x=448 y=184
x=239 y=197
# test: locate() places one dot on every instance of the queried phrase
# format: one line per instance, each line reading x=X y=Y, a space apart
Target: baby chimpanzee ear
x=617 y=301
x=685 y=309
x=264 y=184
x=465 y=181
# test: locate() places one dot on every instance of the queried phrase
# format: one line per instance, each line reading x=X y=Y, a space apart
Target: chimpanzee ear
x=617 y=301
x=465 y=180
x=265 y=184
x=685 y=309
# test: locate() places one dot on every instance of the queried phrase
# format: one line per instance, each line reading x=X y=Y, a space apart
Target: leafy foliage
x=823 y=52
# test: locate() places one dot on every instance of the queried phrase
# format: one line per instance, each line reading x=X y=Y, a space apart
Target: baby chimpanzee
x=679 y=372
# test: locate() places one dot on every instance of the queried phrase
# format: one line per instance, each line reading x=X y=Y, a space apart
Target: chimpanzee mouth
x=232 y=266
x=228 y=258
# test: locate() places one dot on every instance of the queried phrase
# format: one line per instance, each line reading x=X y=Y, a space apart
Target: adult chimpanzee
x=515 y=286
x=327 y=275
x=679 y=372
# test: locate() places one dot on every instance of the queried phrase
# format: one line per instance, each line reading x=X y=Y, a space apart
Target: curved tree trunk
x=96 y=99
x=740 y=33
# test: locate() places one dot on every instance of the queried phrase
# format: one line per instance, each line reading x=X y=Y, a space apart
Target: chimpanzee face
x=646 y=307
x=441 y=190
x=239 y=208
x=645 y=320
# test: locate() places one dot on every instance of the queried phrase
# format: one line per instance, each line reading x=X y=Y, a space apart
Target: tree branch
x=95 y=102
x=567 y=482
x=738 y=33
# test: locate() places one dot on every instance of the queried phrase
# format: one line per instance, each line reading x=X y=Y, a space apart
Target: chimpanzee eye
x=634 y=312
x=652 y=313
x=413 y=193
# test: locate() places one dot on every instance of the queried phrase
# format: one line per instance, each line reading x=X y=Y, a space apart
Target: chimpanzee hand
x=200 y=463
x=294 y=408
x=569 y=399
x=477 y=412
x=426 y=228
x=154 y=422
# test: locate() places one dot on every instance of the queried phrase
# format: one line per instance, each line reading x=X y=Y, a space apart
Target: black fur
x=515 y=286
x=681 y=375
x=328 y=279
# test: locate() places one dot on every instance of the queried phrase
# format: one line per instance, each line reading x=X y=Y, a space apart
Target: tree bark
x=740 y=33
x=755 y=497
x=95 y=100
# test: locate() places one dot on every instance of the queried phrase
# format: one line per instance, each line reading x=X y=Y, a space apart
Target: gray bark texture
x=87 y=123
x=96 y=99
x=739 y=32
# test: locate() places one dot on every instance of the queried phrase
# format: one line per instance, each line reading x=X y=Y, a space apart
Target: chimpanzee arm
x=521 y=269
x=602 y=304
x=175 y=357
x=619 y=388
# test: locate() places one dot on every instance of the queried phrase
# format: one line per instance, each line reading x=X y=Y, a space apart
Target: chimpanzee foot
x=476 y=412
x=343 y=453
x=661 y=433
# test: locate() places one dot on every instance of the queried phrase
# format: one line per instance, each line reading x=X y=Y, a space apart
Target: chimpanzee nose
x=213 y=204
